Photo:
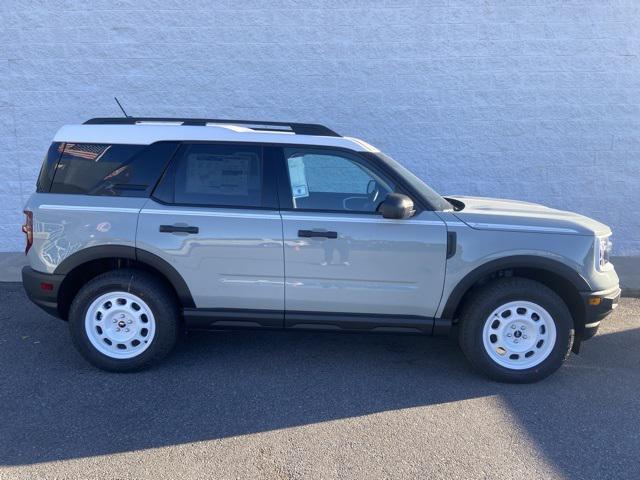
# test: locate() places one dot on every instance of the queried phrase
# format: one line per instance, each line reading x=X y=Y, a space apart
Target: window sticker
x=220 y=174
x=299 y=186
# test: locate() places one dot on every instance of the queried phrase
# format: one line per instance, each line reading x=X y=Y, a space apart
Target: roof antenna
x=118 y=102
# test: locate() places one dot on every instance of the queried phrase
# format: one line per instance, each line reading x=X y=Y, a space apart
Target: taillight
x=27 y=228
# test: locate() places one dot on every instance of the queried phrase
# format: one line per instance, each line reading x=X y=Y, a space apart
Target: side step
x=229 y=318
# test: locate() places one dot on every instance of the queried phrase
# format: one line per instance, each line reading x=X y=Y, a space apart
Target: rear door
x=346 y=266
x=214 y=217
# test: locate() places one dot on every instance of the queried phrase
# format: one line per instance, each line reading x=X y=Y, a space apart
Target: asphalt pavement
x=289 y=405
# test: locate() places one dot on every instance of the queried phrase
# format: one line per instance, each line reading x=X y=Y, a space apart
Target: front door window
x=328 y=181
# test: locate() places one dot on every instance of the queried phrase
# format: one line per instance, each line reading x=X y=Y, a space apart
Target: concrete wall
x=529 y=99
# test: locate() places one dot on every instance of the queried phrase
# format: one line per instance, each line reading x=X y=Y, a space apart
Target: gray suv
x=143 y=227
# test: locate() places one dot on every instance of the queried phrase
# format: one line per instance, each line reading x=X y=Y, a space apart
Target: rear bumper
x=42 y=289
x=597 y=305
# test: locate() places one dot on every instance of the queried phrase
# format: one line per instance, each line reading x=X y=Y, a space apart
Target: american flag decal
x=87 y=151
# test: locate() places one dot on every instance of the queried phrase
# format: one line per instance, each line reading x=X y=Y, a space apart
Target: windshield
x=431 y=196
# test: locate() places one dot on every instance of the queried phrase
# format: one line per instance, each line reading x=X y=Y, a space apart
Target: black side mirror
x=397 y=206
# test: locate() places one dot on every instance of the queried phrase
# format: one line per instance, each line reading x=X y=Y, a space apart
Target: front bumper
x=42 y=289
x=597 y=305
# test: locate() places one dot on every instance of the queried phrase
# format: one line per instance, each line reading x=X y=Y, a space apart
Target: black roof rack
x=297 y=128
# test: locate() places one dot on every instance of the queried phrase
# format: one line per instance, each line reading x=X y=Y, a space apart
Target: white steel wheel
x=120 y=325
x=519 y=335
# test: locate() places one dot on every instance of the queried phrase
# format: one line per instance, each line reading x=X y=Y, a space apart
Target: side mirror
x=397 y=206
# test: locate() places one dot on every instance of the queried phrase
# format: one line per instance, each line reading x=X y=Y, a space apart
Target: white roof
x=146 y=133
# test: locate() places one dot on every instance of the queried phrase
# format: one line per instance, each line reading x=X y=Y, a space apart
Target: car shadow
x=217 y=385
x=585 y=418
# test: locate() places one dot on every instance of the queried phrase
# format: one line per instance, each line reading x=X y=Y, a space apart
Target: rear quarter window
x=49 y=167
x=110 y=169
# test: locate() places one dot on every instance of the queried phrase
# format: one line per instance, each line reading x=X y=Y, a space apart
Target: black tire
x=488 y=298
x=155 y=293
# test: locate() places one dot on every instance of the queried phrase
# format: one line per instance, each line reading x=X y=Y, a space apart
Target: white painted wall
x=528 y=99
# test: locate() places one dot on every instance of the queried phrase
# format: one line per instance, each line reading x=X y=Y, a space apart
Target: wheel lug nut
x=117 y=329
x=129 y=321
x=515 y=341
x=126 y=329
x=114 y=320
x=508 y=334
x=524 y=336
x=513 y=327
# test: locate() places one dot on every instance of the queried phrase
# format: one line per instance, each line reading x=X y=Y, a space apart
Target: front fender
x=556 y=267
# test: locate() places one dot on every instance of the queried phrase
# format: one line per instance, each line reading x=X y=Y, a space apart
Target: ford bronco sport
x=142 y=227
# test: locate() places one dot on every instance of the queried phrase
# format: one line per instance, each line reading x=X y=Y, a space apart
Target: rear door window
x=111 y=169
x=215 y=175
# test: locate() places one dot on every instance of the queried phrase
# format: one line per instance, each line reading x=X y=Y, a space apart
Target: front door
x=346 y=266
x=214 y=218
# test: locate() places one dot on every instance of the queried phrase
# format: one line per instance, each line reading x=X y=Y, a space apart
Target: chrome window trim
x=375 y=219
x=202 y=213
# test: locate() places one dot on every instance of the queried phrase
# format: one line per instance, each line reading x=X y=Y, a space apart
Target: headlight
x=603 y=252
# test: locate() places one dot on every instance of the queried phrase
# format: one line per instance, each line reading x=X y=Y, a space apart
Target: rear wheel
x=516 y=330
x=124 y=320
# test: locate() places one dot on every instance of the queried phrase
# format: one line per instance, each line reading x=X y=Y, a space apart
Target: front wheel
x=516 y=330
x=124 y=320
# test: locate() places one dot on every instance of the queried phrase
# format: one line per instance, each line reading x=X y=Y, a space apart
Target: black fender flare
x=99 y=252
x=512 y=262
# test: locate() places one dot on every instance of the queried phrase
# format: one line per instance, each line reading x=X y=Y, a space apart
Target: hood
x=514 y=215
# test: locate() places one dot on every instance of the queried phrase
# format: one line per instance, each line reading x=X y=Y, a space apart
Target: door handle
x=315 y=233
x=178 y=229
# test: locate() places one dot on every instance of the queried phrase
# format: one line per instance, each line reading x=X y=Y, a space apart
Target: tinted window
x=117 y=170
x=216 y=175
x=324 y=180
x=48 y=167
